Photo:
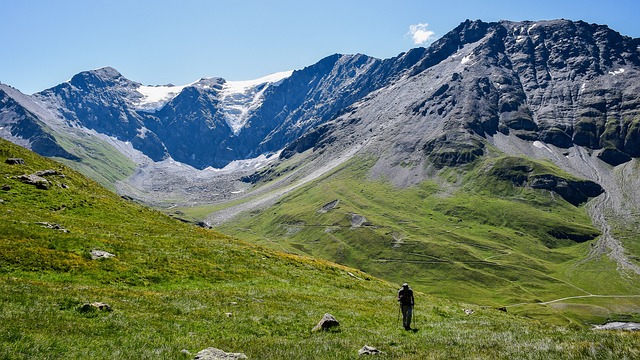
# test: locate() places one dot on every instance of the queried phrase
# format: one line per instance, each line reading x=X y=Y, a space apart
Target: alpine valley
x=498 y=167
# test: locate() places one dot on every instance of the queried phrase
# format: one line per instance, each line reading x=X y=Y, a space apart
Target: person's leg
x=405 y=316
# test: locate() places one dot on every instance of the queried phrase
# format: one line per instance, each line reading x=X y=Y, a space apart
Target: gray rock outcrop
x=15 y=161
x=35 y=180
x=100 y=254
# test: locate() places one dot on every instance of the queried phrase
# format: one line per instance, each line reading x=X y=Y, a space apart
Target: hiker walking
x=405 y=297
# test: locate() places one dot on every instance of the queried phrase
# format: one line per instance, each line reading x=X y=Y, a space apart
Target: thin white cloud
x=420 y=34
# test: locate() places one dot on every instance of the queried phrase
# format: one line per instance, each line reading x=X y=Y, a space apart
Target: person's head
x=405 y=285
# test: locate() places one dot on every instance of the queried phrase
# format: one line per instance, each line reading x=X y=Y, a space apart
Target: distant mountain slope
x=559 y=82
x=224 y=121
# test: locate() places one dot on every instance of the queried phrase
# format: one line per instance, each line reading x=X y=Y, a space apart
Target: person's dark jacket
x=405 y=296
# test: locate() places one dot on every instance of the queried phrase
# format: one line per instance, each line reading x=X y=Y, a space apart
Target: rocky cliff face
x=560 y=82
x=20 y=124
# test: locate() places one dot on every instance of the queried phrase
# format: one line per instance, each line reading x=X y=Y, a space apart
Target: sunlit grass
x=486 y=242
x=176 y=289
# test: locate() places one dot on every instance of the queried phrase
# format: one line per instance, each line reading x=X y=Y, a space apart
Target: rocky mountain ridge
x=222 y=125
x=558 y=83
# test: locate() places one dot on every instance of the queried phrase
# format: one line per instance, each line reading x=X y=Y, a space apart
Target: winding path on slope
x=574 y=297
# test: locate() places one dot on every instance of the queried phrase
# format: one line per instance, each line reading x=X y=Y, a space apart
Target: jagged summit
x=101 y=77
x=559 y=82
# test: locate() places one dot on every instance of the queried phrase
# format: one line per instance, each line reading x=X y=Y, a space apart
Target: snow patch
x=616 y=72
x=155 y=97
x=541 y=145
x=142 y=132
x=531 y=27
x=466 y=59
x=245 y=85
x=520 y=38
x=239 y=98
x=247 y=164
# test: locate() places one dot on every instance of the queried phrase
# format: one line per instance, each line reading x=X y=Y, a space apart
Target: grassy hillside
x=473 y=237
x=100 y=161
x=175 y=289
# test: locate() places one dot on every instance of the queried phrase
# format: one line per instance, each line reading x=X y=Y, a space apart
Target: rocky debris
x=95 y=306
x=52 y=226
x=328 y=322
x=503 y=308
x=468 y=311
x=369 y=350
x=15 y=161
x=33 y=179
x=618 y=325
x=48 y=172
x=37 y=179
x=357 y=220
x=217 y=354
x=329 y=206
x=5 y=187
x=100 y=254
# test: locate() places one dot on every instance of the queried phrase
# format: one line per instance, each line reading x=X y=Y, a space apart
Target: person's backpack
x=404 y=296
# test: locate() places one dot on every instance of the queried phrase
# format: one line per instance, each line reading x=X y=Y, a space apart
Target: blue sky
x=46 y=42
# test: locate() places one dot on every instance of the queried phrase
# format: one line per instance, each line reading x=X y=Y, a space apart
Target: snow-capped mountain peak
x=239 y=98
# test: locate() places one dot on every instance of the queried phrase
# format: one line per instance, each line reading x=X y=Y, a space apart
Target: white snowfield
x=237 y=98
x=155 y=97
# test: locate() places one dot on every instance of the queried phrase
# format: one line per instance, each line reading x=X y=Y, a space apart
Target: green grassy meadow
x=100 y=161
x=476 y=238
x=175 y=289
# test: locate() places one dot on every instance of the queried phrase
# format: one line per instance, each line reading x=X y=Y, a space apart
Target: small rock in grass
x=369 y=350
x=100 y=254
x=15 y=161
x=217 y=354
x=327 y=322
x=100 y=306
